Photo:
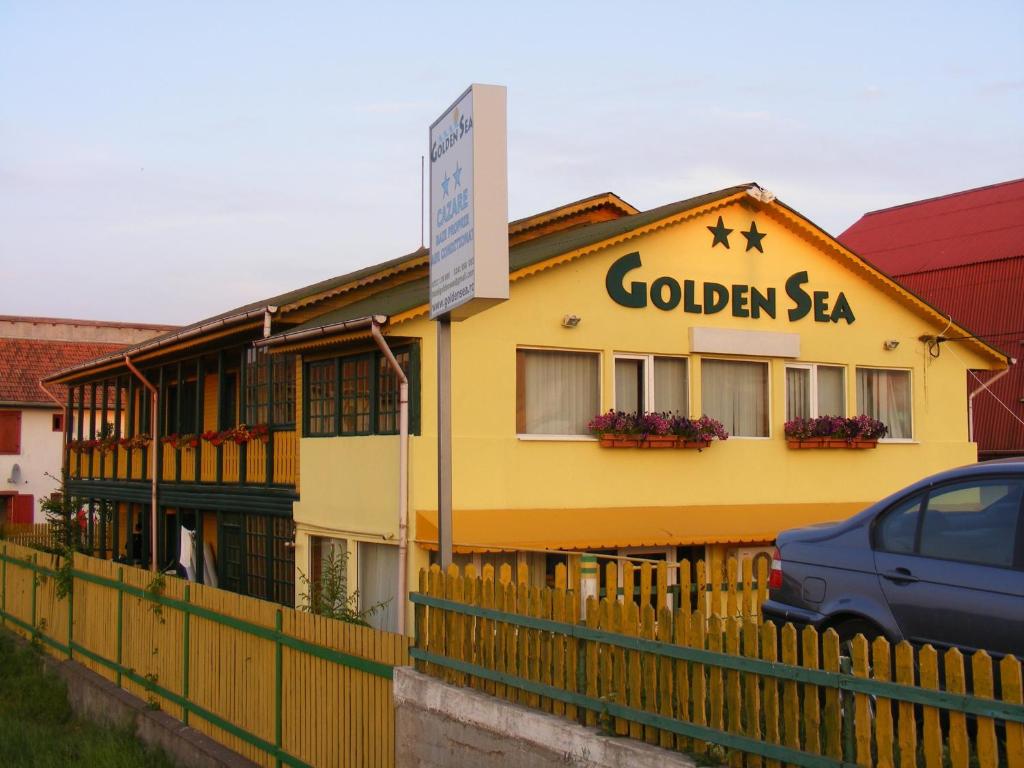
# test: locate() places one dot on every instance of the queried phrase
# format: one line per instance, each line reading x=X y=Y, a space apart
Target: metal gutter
x=360 y=323
x=403 y=474
x=163 y=341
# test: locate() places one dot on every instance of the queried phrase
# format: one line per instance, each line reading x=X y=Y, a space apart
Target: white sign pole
x=468 y=246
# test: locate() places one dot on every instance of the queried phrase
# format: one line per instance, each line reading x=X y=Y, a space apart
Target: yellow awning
x=480 y=530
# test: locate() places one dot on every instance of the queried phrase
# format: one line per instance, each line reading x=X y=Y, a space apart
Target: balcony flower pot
x=659 y=441
x=613 y=440
x=698 y=444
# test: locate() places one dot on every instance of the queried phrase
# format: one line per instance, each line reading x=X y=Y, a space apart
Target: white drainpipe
x=403 y=473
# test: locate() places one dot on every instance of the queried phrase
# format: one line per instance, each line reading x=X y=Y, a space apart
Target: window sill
x=898 y=441
x=557 y=438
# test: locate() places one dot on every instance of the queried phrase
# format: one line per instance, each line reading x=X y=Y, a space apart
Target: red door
x=22 y=508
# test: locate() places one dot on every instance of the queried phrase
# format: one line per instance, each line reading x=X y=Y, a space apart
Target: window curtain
x=798 y=393
x=831 y=401
x=670 y=385
x=558 y=392
x=378 y=583
x=629 y=385
x=885 y=395
x=736 y=393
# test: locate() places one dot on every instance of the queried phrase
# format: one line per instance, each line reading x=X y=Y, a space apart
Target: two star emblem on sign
x=721 y=235
x=457 y=174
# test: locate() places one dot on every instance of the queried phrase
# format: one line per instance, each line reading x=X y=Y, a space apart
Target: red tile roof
x=969 y=227
x=23 y=362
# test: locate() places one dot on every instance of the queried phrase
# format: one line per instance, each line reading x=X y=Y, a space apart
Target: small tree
x=61 y=511
x=329 y=595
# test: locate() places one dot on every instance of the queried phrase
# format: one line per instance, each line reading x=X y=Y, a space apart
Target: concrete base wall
x=443 y=726
x=97 y=699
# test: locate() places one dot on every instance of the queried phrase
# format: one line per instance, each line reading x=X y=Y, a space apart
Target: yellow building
x=730 y=305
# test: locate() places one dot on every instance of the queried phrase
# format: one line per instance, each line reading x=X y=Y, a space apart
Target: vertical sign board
x=469 y=205
x=468 y=246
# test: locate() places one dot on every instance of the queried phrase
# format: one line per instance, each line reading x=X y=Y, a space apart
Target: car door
x=960 y=582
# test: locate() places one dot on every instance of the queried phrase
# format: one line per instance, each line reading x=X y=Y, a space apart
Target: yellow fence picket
x=985 y=746
x=881 y=666
x=862 y=703
x=751 y=694
x=558 y=645
x=907 y=725
x=790 y=695
x=646 y=574
x=769 y=652
x=665 y=676
x=749 y=597
x=715 y=689
x=732 y=683
x=1010 y=680
x=812 y=708
x=956 y=683
x=571 y=654
x=732 y=599
x=590 y=660
x=931 y=731
x=682 y=673
x=649 y=663
x=833 y=712
x=698 y=683
x=662 y=586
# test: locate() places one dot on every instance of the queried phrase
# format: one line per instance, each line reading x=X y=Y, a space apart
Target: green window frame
x=387 y=391
x=258 y=559
x=269 y=389
x=322 y=398
x=365 y=394
x=356 y=394
x=282 y=384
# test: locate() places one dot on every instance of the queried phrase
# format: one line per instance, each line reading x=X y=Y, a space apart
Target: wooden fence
x=744 y=692
x=37 y=535
x=276 y=685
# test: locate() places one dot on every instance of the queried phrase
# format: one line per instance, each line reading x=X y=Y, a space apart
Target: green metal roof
x=406 y=296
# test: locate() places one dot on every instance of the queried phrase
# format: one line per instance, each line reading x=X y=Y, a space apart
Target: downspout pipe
x=403 y=473
x=978 y=391
x=153 y=420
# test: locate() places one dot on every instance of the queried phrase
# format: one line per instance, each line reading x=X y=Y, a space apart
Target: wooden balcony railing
x=179 y=464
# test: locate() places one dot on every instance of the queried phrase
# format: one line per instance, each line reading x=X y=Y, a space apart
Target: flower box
x=659 y=441
x=698 y=444
x=616 y=429
x=831 y=442
x=620 y=441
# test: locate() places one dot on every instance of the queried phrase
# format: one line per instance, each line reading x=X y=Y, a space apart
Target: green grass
x=38 y=729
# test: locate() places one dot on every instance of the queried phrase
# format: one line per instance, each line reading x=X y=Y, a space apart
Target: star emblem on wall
x=444 y=184
x=721 y=233
x=457 y=175
x=754 y=237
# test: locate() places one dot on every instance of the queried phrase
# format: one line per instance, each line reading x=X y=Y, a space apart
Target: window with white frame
x=557 y=392
x=815 y=390
x=884 y=394
x=378 y=585
x=736 y=393
x=651 y=383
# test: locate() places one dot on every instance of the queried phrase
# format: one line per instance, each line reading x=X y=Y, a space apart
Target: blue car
x=939 y=562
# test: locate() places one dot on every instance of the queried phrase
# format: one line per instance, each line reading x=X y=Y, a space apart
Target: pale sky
x=164 y=162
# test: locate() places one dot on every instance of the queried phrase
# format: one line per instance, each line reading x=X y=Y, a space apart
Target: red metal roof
x=976 y=225
x=964 y=254
x=986 y=297
x=23 y=362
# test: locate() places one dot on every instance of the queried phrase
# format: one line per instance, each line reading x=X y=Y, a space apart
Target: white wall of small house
x=39 y=460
